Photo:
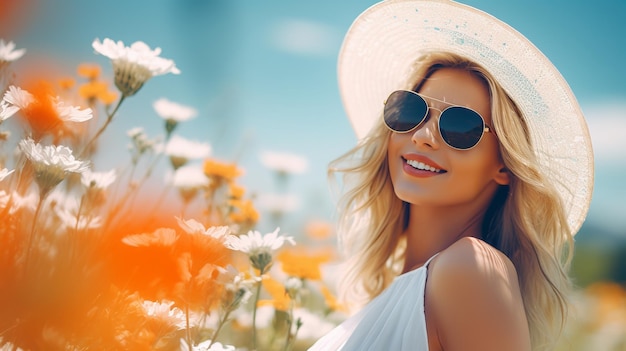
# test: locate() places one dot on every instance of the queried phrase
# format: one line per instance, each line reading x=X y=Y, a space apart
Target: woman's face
x=461 y=176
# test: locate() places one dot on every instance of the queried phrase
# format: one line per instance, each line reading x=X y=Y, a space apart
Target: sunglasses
x=460 y=127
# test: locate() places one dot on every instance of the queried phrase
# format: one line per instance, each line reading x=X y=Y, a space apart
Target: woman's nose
x=426 y=134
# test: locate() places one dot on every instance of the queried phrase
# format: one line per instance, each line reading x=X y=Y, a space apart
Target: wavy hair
x=525 y=220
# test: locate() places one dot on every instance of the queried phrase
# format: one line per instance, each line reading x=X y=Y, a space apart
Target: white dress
x=394 y=320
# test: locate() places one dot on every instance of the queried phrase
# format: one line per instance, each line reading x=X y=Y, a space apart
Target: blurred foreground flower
x=133 y=65
x=173 y=113
x=181 y=150
x=8 y=52
x=284 y=163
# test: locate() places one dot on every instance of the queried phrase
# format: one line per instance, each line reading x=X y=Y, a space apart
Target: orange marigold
x=90 y=71
x=221 y=171
x=280 y=300
x=243 y=212
x=67 y=83
x=303 y=264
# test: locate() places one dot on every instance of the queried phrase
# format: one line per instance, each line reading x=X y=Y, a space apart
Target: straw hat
x=385 y=40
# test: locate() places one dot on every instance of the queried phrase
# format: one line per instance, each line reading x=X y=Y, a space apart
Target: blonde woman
x=472 y=173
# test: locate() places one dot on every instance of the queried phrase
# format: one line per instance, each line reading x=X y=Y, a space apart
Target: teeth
x=422 y=166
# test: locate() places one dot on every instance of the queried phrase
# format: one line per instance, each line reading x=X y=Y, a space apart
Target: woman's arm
x=473 y=299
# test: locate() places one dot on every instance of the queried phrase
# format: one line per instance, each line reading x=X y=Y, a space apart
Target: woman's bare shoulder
x=475 y=300
x=477 y=258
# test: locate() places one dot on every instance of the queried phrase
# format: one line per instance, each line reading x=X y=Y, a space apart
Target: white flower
x=259 y=248
x=279 y=203
x=181 y=150
x=136 y=132
x=7 y=111
x=236 y=282
x=192 y=226
x=72 y=113
x=70 y=218
x=254 y=242
x=133 y=65
x=190 y=177
x=283 y=162
x=5 y=173
x=97 y=180
x=27 y=202
x=19 y=98
x=171 y=110
x=165 y=312
x=189 y=149
x=51 y=162
x=8 y=52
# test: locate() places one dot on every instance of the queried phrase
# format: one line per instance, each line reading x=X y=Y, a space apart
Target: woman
x=472 y=174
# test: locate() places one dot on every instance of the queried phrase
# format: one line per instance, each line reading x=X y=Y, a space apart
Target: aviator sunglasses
x=460 y=127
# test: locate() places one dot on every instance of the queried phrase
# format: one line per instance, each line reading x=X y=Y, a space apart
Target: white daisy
x=192 y=226
x=190 y=177
x=72 y=113
x=97 y=180
x=8 y=52
x=133 y=65
x=284 y=162
x=166 y=312
x=173 y=113
x=259 y=248
x=181 y=150
x=51 y=163
x=254 y=242
x=189 y=149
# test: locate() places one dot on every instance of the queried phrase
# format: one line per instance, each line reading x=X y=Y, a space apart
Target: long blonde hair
x=525 y=219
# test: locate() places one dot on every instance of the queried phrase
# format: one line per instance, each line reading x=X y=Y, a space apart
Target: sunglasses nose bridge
x=426 y=133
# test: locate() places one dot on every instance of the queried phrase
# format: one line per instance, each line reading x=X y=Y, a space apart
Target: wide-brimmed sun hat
x=383 y=43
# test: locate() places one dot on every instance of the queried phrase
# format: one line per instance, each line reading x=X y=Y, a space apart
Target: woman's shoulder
x=476 y=258
x=473 y=297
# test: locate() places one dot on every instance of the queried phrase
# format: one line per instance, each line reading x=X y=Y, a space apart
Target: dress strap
x=430 y=259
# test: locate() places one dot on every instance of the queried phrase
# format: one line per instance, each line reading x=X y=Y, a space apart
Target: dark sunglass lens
x=460 y=127
x=404 y=110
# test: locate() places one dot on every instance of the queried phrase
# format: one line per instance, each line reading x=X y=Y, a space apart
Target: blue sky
x=262 y=74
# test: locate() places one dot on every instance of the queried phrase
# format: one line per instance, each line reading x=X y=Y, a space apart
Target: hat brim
x=385 y=40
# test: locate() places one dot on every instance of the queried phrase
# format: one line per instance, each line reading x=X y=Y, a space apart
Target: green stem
x=104 y=126
x=219 y=327
x=257 y=295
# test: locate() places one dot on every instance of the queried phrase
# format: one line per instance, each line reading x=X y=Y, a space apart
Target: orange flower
x=221 y=171
x=41 y=114
x=67 y=83
x=319 y=230
x=331 y=300
x=280 y=300
x=243 y=212
x=302 y=264
x=89 y=70
x=236 y=191
x=94 y=89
